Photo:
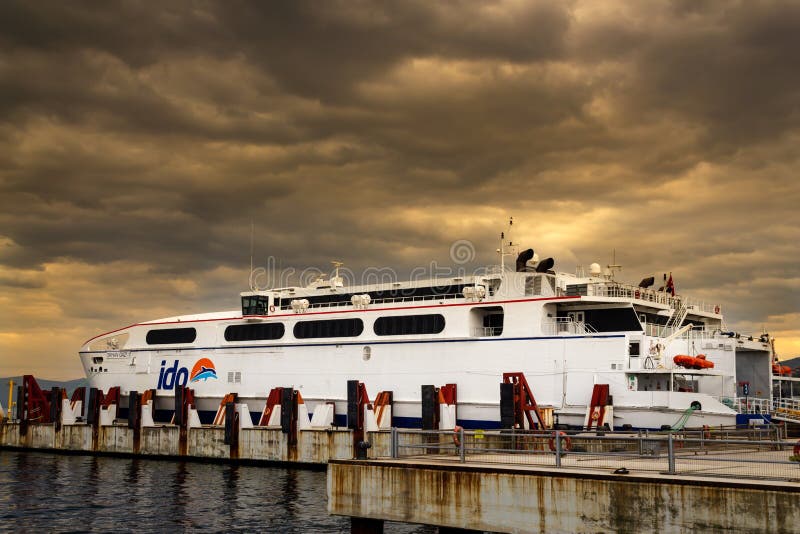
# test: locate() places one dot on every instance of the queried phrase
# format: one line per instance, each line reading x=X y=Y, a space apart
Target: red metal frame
x=35 y=402
x=382 y=400
x=273 y=399
x=363 y=400
x=219 y=419
x=112 y=397
x=598 y=405
x=524 y=402
x=78 y=395
x=448 y=394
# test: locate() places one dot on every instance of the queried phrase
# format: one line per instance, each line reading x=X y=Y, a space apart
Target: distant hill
x=69 y=385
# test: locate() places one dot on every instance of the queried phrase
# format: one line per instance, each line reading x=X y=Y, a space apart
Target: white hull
x=538 y=336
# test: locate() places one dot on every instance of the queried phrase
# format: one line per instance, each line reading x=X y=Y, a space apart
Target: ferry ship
x=565 y=331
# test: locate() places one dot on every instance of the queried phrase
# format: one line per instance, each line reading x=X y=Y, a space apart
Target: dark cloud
x=138 y=142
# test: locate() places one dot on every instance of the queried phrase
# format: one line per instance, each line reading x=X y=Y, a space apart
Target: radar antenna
x=505 y=241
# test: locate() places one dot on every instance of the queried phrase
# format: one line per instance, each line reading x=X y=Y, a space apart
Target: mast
x=502 y=250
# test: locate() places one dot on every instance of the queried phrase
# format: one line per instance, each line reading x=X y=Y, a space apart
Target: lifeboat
x=693 y=362
x=781 y=370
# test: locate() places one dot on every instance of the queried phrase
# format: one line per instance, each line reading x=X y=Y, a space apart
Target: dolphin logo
x=203 y=370
x=204 y=374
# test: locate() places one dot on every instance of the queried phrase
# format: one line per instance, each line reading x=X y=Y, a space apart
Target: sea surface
x=41 y=492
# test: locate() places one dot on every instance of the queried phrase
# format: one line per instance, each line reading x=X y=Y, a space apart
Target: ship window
x=613 y=320
x=407 y=325
x=633 y=348
x=253 y=332
x=255 y=305
x=171 y=336
x=574 y=290
x=329 y=328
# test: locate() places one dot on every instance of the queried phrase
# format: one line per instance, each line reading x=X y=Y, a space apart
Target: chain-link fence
x=742 y=453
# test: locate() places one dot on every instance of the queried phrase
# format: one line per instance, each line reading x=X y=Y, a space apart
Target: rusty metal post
x=135 y=418
x=671 y=454
x=430 y=407
x=55 y=407
x=461 y=445
x=558 y=448
x=289 y=415
x=93 y=415
x=11 y=402
x=230 y=410
x=394 y=442
x=181 y=419
x=507 y=405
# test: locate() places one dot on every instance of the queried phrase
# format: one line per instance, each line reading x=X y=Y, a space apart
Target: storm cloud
x=139 y=142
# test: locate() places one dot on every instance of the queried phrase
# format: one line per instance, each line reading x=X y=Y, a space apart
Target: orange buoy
x=566 y=442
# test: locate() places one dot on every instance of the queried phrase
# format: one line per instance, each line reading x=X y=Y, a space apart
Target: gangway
x=675 y=321
x=786 y=410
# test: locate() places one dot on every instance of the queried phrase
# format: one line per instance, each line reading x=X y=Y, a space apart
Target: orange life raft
x=693 y=362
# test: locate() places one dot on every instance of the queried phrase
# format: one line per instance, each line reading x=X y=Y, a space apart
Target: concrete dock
x=490 y=481
x=528 y=498
x=271 y=445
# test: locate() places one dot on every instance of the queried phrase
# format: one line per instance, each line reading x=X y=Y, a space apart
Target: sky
x=139 y=142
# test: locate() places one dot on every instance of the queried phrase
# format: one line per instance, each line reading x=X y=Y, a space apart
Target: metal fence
x=760 y=453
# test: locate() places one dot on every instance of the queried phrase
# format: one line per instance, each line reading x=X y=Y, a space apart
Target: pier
x=47 y=420
x=515 y=482
x=268 y=445
x=528 y=477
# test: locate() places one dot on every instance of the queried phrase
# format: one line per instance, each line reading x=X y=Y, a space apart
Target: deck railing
x=620 y=290
x=487 y=331
x=566 y=325
x=758 y=453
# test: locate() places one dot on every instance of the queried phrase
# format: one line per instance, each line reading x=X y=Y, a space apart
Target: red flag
x=670 y=288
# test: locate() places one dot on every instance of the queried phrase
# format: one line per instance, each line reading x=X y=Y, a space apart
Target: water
x=50 y=492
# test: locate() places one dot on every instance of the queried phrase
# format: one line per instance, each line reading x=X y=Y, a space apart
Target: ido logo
x=175 y=375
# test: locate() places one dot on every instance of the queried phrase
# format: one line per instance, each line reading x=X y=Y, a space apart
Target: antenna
x=511 y=245
x=614 y=266
x=252 y=232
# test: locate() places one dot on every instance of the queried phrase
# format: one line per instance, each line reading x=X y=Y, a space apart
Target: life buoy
x=272 y=308
x=456 y=433
x=636 y=294
x=707 y=433
x=595 y=415
x=566 y=442
x=716 y=309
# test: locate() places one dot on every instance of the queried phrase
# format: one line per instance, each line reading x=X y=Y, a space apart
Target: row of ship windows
x=404 y=325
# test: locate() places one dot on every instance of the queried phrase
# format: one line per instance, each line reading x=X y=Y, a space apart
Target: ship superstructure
x=565 y=331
